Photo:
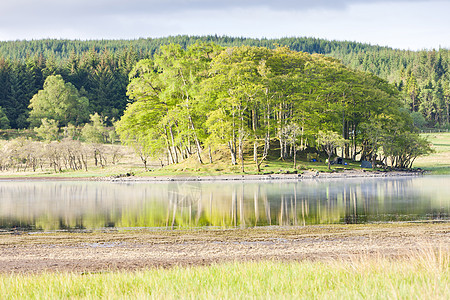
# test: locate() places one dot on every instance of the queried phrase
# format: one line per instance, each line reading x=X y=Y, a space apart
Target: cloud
x=56 y=8
x=63 y=13
x=283 y=5
x=361 y=20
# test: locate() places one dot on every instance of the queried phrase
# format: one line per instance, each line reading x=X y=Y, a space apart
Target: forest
x=218 y=90
x=99 y=70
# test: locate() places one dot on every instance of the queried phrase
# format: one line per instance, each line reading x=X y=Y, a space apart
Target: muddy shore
x=247 y=177
x=140 y=249
x=269 y=177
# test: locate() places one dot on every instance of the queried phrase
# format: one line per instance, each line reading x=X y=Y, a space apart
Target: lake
x=71 y=205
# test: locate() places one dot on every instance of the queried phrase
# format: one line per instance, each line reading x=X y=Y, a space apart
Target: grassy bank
x=223 y=167
x=439 y=161
x=422 y=275
x=130 y=163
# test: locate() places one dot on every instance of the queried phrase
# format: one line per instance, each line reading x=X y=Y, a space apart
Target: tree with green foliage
x=418 y=119
x=288 y=78
x=59 y=101
x=166 y=104
x=95 y=131
x=329 y=141
x=404 y=148
x=237 y=86
x=49 y=129
x=4 y=121
x=186 y=100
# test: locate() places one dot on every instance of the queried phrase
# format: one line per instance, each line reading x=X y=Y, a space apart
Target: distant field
x=438 y=162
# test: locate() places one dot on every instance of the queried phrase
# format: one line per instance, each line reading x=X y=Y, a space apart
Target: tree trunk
x=258 y=163
x=301 y=139
x=233 y=153
x=197 y=143
x=241 y=153
x=170 y=158
x=295 y=156
x=266 y=144
x=329 y=160
x=282 y=149
x=448 y=111
x=255 y=156
x=343 y=129
x=174 y=149
x=374 y=159
x=210 y=155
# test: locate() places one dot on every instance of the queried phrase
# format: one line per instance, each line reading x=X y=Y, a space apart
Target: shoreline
x=271 y=177
x=144 y=249
x=307 y=175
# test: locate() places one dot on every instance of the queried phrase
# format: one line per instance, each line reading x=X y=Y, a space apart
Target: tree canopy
x=184 y=101
x=4 y=121
x=99 y=70
x=59 y=101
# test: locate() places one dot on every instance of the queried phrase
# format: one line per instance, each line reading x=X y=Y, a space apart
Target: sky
x=403 y=24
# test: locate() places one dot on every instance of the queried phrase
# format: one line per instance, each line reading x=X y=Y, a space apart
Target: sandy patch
x=133 y=250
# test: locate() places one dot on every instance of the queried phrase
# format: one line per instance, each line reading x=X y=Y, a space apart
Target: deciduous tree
x=59 y=101
x=329 y=141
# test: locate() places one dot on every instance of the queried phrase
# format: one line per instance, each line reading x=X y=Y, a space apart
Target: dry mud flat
x=134 y=250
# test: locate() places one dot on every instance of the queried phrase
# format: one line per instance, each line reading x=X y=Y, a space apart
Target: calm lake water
x=39 y=205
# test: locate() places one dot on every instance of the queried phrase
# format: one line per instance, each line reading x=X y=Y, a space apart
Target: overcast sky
x=413 y=24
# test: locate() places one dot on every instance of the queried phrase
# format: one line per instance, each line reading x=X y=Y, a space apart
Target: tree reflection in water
x=170 y=205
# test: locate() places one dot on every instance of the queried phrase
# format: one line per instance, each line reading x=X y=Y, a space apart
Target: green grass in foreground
x=422 y=276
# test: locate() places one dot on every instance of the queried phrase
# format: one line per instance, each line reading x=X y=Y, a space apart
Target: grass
x=222 y=165
x=420 y=275
x=439 y=161
x=111 y=170
x=273 y=166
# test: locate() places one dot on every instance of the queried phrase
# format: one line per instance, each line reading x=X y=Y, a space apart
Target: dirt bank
x=246 y=177
x=269 y=177
x=133 y=250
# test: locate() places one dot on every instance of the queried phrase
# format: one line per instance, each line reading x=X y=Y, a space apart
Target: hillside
x=63 y=49
x=100 y=68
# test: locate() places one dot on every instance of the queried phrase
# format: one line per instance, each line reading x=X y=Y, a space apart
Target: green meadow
x=439 y=161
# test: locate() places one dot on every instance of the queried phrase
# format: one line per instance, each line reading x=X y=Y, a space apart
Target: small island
x=214 y=110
